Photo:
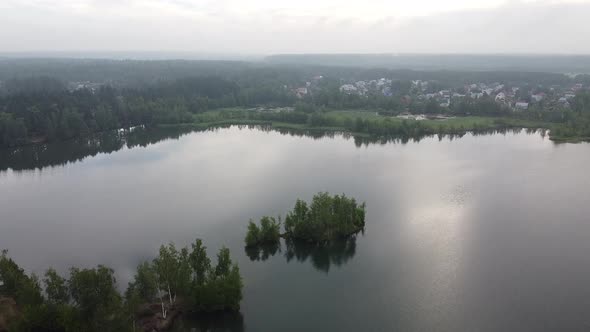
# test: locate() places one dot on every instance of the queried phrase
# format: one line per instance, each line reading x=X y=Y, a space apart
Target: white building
x=499 y=88
x=537 y=98
x=563 y=102
x=301 y=92
x=521 y=106
x=501 y=97
x=348 y=89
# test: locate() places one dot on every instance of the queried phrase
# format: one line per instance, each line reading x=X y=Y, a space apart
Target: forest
x=88 y=299
x=35 y=109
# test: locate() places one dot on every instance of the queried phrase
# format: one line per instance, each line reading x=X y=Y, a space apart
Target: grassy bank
x=363 y=123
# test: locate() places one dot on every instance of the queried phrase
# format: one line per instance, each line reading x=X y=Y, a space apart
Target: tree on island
x=268 y=232
x=326 y=218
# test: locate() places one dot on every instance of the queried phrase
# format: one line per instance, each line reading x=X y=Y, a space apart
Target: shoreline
x=457 y=125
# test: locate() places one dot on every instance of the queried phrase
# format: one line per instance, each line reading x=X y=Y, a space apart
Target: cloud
x=305 y=26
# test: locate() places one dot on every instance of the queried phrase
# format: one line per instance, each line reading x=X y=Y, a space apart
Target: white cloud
x=272 y=26
x=362 y=10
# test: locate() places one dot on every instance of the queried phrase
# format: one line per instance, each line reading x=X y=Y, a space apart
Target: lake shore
x=344 y=121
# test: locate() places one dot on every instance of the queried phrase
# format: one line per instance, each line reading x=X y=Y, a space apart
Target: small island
x=326 y=218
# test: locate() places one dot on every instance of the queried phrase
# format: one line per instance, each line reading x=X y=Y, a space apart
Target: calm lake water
x=479 y=233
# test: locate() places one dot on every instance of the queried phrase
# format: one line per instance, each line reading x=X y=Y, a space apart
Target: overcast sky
x=297 y=26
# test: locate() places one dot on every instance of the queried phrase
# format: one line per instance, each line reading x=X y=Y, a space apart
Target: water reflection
x=212 y=322
x=470 y=235
x=61 y=153
x=262 y=252
x=322 y=256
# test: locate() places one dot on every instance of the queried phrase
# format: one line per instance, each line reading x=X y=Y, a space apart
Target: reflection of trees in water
x=218 y=322
x=262 y=252
x=395 y=139
x=61 y=153
x=321 y=256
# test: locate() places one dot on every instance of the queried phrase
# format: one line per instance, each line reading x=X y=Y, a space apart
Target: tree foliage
x=189 y=274
x=89 y=299
x=268 y=233
x=326 y=218
x=40 y=108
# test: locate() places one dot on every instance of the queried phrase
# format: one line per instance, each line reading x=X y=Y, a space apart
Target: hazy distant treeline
x=536 y=63
x=291 y=70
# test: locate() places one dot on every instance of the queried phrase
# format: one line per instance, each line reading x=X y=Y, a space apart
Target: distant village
x=517 y=97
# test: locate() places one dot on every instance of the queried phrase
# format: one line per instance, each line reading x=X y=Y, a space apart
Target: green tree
x=253 y=234
x=95 y=294
x=145 y=282
x=56 y=288
x=199 y=262
x=270 y=230
x=133 y=301
x=15 y=283
x=223 y=263
x=167 y=266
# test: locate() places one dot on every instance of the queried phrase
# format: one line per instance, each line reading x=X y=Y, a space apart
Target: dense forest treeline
x=175 y=281
x=550 y=63
x=141 y=73
x=43 y=108
x=48 y=115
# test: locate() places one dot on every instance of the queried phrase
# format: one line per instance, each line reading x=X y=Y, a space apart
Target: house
x=499 y=88
x=422 y=85
x=383 y=81
x=521 y=106
x=500 y=97
x=360 y=84
x=361 y=87
x=563 y=102
x=348 y=89
x=301 y=92
x=538 y=97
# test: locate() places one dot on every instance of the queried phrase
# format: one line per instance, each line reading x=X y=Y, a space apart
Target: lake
x=478 y=233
